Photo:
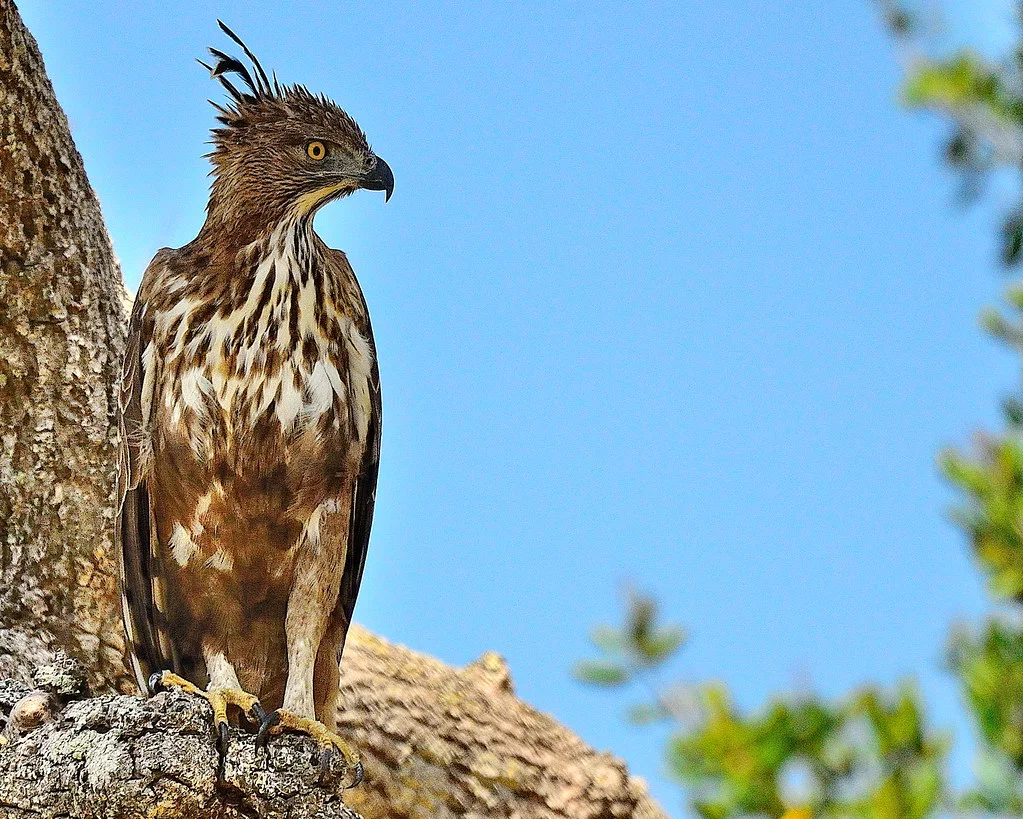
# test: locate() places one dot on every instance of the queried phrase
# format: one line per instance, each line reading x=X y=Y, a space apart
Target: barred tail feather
x=150 y=647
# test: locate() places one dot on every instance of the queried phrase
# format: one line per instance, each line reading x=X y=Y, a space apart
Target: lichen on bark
x=124 y=757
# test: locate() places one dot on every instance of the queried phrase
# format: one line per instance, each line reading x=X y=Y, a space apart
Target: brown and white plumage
x=250 y=416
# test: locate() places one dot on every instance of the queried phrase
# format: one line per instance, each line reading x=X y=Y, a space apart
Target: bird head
x=282 y=150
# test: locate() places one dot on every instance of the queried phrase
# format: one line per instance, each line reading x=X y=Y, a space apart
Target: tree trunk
x=437 y=741
x=61 y=336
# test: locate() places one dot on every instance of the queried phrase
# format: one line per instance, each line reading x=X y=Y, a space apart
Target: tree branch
x=123 y=756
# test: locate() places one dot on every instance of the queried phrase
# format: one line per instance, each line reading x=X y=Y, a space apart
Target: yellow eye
x=316 y=150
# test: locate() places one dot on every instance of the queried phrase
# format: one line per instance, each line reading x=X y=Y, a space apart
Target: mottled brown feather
x=365 y=497
x=139 y=561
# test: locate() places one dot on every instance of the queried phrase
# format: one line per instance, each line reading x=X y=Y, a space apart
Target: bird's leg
x=224 y=690
x=310 y=606
x=291 y=719
x=327 y=677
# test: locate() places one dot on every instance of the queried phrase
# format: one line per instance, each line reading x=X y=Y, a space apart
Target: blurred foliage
x=964 y=80
x=641 y=644
x=990 y=665
x=871 y=753
x=991 y=480
x=868 y=756
x=982 y=101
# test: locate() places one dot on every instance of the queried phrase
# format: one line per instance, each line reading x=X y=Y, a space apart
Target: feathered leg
x=308 y=629
x=327 y=677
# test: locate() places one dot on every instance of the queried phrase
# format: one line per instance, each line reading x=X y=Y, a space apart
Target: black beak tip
x=380 y=179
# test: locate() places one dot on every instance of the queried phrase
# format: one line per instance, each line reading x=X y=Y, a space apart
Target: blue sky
x=672 y=293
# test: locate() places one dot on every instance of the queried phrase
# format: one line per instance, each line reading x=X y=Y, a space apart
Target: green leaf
x=601 y=672
x=661 y=644
x=640 y=617
x=608 y=639
x=954 y=82
x=1012 y=408
x=1012 y=239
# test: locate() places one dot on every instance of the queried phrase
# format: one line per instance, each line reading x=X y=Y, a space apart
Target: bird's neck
x=240 y=213
x=233 y=233
x=234 y=251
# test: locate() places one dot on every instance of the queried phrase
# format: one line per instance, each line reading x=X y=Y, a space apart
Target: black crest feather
x=256 y=81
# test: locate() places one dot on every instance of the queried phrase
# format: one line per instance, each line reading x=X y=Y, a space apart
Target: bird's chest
x=271 y=378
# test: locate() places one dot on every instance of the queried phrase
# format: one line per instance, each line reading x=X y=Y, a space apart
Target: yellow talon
x=168 y=679
x=218 y=698
x=277 y=722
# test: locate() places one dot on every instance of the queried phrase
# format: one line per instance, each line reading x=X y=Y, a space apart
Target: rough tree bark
x=61 y=335
x=437 y=741
x=122 y=757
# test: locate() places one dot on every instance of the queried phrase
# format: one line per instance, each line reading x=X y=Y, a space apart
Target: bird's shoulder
x=132 y=410
x=338 y=266
x=163 y=264
x=341 y=271
x=337 y=257
x=151 y=292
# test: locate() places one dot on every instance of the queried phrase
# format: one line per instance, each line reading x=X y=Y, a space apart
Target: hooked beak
x=379 y=179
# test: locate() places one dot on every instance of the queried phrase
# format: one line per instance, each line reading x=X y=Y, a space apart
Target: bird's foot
x=219 y=700
x=165 y=680
x=331 y=745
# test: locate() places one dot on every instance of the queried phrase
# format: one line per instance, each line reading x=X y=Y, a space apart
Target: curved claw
x=327 y=757
x=357 y=776
x=223 y=741
x=326 y=763
x=258 y=712
x=331 y=745
x=266 y=724
x=155 y=682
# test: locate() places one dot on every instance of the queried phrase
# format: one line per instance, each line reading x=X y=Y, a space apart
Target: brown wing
x=148 y=645
x=365 y=494
x=362 y=504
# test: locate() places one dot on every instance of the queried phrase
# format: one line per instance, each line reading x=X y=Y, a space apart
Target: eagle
x=250 y=418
